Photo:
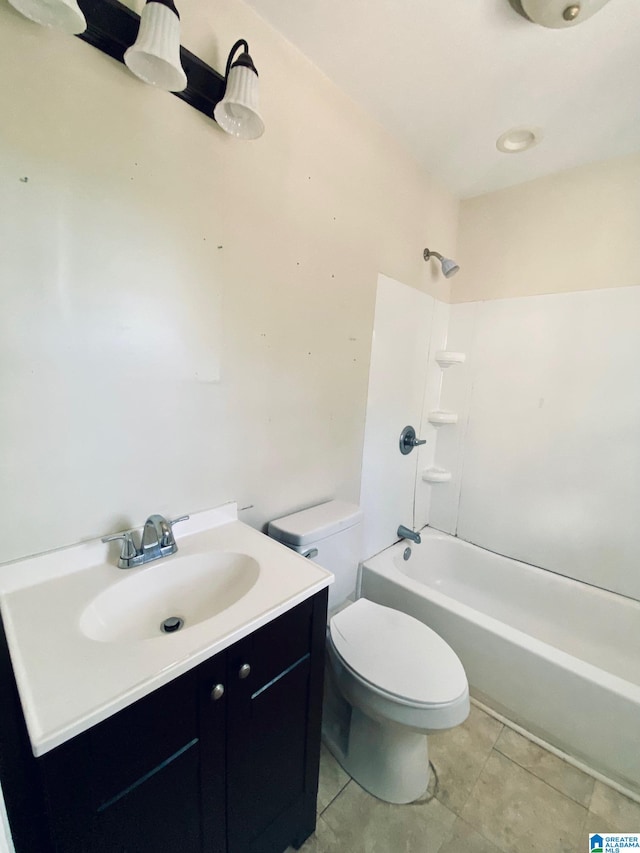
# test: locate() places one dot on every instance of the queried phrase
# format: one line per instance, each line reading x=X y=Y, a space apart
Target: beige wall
x=187 y=318
x=576 y=230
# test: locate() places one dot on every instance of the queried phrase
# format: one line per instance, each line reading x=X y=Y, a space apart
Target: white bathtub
x=558 y=657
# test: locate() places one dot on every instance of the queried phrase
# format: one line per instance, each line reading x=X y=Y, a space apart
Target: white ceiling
x=447 y=77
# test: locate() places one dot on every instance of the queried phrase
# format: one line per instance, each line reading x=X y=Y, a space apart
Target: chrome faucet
x=405 y=533
x=157 y=541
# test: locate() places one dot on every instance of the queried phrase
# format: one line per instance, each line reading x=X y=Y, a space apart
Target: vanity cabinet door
x=130 y=784
x=212 y=709
x=161 y=814
x=274 y=715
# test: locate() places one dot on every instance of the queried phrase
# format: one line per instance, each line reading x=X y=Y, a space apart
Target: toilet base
x=389 y=761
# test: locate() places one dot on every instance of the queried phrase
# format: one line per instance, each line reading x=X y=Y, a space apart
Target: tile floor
x=498 y=793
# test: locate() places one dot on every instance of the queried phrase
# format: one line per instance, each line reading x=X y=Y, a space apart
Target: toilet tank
x=334 y=529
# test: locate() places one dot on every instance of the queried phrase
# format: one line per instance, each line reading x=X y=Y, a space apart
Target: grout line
x=508 y=724
x=477 y=829
x=546 y=781
x=541 y=780
x=468 y=797
x=574 y=762
x=335 y=797
x=555 y=790
x=533 y=776
x=583 y=828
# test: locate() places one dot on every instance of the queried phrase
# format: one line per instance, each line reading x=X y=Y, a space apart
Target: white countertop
x=69 y=682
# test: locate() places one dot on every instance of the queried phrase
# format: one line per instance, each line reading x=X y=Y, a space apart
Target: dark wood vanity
x=223 y=759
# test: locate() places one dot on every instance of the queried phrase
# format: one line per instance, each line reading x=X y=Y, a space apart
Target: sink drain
x=172 y=624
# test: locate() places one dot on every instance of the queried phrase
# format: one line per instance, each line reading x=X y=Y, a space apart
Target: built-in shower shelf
x=439 y=418
x=446 y=358
x=436 y=475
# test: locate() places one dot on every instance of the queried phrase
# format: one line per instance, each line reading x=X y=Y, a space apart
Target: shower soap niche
x=446 y=358
x=438 y=418
x=436 y=475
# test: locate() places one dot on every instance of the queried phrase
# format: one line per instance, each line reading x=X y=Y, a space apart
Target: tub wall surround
x=187 y=315
x=546 y=459
x=404 y=383
x=572 y=396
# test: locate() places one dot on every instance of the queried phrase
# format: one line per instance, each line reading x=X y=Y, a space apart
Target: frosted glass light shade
x=63 y=15
x=155 y=56
x=238 y=113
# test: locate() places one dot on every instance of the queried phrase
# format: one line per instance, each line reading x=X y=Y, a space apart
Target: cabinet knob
x=244 y=670
x=217 y=692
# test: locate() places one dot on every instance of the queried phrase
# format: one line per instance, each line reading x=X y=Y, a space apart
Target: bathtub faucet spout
x=405 y=533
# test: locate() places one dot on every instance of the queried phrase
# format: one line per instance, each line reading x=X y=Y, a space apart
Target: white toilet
x=390 y=679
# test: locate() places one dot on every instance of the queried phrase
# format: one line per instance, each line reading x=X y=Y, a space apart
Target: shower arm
x=428 y=253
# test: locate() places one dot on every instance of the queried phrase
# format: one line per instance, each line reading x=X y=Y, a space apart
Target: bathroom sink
x=85 y=636
x=163 y=599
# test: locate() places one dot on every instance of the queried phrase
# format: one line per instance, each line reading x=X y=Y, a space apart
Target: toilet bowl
x=401 y=681
x=390 y=680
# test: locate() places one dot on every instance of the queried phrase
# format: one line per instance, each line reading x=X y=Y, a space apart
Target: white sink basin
x=192 y=588
x=86 y=639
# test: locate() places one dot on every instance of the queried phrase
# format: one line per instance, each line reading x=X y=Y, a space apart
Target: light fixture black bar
x=112 y=28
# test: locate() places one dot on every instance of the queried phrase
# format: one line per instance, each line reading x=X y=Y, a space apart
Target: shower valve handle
x=408 y=440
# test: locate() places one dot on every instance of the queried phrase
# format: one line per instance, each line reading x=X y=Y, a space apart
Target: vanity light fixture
x=237 y=113
x=155 y=56
x=449 y=267
x=557 y=14
x=63 y=15
x=150 y=47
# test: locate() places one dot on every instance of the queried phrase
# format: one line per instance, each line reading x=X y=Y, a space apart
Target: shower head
x=449 y=267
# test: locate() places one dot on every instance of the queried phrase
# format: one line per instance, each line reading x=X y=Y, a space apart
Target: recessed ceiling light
x=518 y=139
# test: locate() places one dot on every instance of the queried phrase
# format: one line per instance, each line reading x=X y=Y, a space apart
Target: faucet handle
x=167 y=533
x=129 y=549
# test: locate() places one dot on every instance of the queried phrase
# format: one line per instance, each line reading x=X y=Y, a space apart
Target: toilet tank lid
x=317 y=522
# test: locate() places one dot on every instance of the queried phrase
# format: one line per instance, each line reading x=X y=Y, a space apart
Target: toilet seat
x=398 y=657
